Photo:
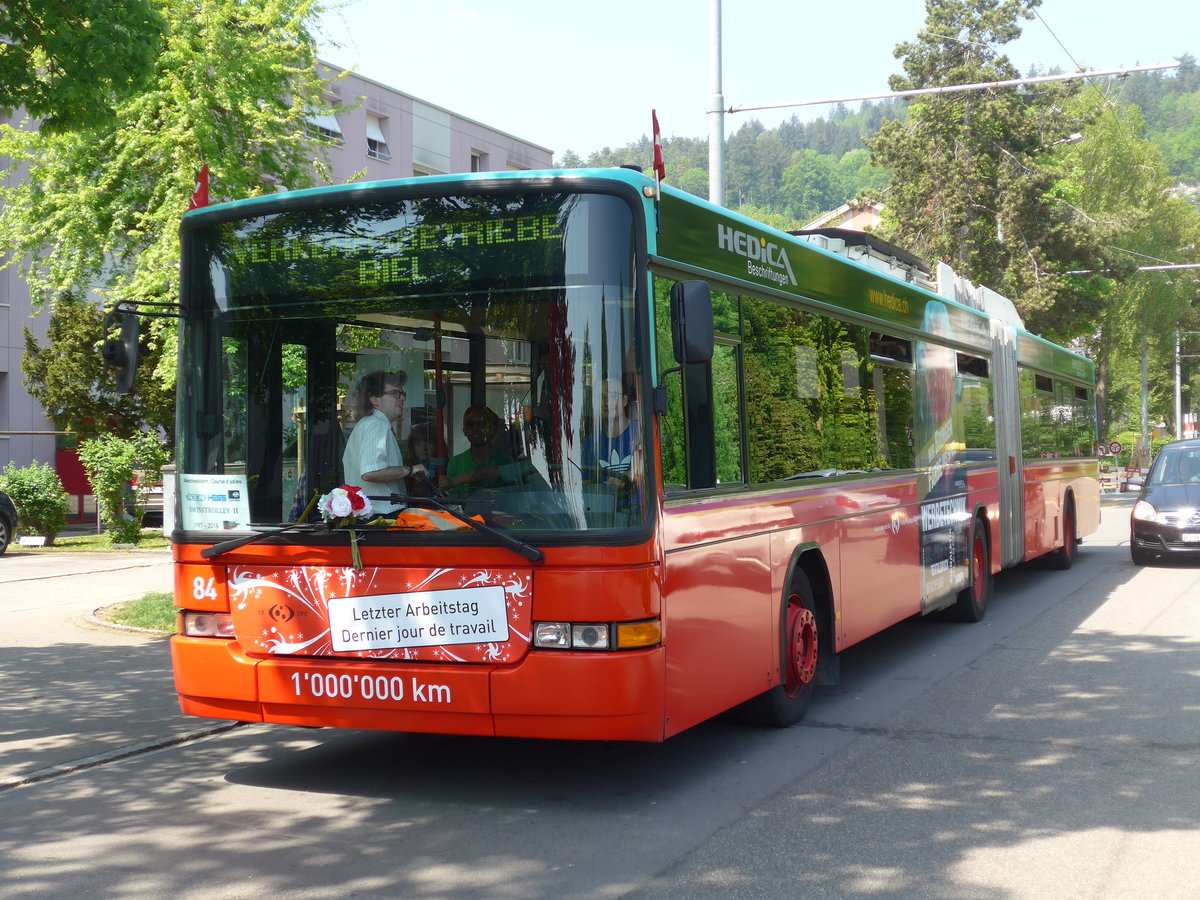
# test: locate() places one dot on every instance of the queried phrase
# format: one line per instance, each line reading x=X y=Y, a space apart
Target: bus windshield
x=490 y=341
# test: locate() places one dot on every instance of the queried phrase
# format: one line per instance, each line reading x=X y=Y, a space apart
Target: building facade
x=374 y=132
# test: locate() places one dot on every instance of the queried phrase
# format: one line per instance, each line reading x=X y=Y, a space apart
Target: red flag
x=200 y=193
x=660 y=170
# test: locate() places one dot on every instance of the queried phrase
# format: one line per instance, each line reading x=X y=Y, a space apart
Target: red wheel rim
x=802 y=647
x=978 y=575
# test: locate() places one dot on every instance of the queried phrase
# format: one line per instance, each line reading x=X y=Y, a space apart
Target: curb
x=96 y=618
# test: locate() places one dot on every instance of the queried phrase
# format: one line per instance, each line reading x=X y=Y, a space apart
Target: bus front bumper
x=572 y=695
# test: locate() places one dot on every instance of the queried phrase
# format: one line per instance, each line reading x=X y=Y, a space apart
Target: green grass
x=152 y=539
x=155 y=612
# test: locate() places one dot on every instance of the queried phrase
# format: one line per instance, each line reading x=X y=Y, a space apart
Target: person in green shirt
x=483 y=464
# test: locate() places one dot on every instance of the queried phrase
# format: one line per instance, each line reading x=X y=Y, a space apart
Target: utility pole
x=1178 y=391
x=1141 y=454
x=716 y=112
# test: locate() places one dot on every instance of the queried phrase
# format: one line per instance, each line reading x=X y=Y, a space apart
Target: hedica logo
x=764 y=259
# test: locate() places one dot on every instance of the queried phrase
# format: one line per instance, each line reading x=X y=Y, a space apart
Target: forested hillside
x=793 y=173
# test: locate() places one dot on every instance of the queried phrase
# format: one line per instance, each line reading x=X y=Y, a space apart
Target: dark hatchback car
x=1166 y=517
x=8 y=521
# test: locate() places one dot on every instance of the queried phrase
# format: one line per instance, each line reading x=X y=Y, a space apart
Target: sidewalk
x=34 y=563
x=75 y=688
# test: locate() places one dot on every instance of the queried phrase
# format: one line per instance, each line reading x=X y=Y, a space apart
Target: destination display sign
x=398 y=254
x=309 y=257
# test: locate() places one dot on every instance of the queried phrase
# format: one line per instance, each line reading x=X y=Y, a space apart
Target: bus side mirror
x=691 y=322
x=121 y=353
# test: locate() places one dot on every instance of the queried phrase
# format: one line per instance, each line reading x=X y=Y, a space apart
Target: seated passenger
x=421 y=449
x=482 y=465
x=613 y=454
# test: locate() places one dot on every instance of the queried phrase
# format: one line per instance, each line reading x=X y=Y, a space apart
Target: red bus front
x=471 y=359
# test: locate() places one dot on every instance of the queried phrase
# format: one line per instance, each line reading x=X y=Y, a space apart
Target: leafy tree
x=569 y=159
x=111 y=463
x=39 y=497
x=694 y=181
x=1119 y=181
x=100 y=206
x=972 y=172
x=67 y=377
x=67 y=64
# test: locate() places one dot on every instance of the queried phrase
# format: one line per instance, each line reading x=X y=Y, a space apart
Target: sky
x=566 y=76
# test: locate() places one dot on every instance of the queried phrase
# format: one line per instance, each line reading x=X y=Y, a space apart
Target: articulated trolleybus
x=653 y=460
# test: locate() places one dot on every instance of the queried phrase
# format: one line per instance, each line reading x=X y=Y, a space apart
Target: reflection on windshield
x=1177 y=466
x=507 y=386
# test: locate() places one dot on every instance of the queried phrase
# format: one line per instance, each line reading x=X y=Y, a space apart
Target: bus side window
x=702 y=443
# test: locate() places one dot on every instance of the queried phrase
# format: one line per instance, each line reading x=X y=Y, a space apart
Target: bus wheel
x=972 y=600
x=786 y=704
x=1065 y=555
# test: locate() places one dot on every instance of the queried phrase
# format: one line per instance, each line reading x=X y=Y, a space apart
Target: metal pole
x=1178 y=391
x=716 y=112
x=1140 y=455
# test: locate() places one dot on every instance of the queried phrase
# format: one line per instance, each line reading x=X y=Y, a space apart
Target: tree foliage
x=67 y=375
x=38 y=495
x=786 y=176
x=972 y=173
x=68 y=64
x=1120 y=181
x=101 y=205
x=111 y=462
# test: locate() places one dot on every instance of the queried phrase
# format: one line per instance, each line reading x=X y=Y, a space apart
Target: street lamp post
x=716 y=112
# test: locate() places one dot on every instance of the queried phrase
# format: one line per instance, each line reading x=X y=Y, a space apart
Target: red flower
x=354 y=493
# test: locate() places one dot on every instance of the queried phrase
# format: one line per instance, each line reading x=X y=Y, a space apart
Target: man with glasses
x=372 y=458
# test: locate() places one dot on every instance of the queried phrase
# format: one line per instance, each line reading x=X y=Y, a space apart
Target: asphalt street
x=1048 y=752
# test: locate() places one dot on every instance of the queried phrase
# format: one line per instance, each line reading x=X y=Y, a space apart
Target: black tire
x=971 y=605
x=1064 y=556
x=5 y=536
x=1139 y=556
x=785 y=704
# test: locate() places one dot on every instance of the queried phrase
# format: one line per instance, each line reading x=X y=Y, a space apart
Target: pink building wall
x=419 y=135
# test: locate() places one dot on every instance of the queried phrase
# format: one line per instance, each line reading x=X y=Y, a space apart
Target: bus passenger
x=481 y=464
x=614 y=453
x=421 y=448
x=372 y=458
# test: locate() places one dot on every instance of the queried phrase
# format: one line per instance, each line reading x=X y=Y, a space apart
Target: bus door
x=1009 y=455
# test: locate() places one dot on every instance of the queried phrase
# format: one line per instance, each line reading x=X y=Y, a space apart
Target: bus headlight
x=206 y=624
x=597 y=635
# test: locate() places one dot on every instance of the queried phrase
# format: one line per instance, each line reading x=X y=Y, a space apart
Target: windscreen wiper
x=504 y=539
x=234 y=543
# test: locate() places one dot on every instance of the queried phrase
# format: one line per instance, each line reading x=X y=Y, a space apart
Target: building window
x=377 y=147
x=479 y=161
x=324 y=126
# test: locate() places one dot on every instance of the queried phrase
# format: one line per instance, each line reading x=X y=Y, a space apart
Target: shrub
x=38 y=494
x=110 y=463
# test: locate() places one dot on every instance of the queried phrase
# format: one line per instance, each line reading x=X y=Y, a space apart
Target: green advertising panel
x=1041 y=354
x=753 y=254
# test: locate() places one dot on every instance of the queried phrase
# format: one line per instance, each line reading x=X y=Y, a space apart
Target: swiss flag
x=660 y=170
x=200 y=193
